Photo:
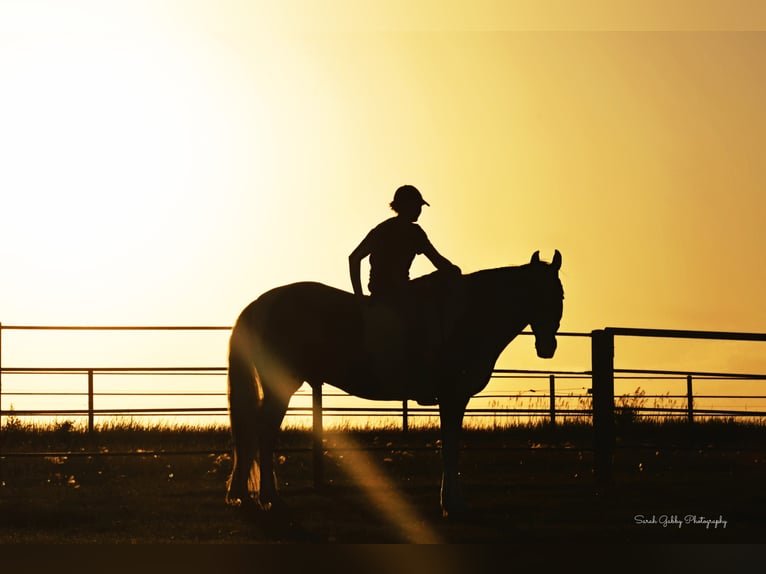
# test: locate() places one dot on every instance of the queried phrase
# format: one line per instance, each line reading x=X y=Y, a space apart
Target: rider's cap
x=408 y=194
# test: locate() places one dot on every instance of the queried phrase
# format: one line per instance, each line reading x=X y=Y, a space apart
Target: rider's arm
x=355 y=262
x=438 y=260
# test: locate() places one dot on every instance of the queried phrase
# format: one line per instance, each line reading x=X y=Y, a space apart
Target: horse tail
x=244 y=405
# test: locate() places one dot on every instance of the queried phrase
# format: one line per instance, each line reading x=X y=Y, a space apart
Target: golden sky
x=166 y=162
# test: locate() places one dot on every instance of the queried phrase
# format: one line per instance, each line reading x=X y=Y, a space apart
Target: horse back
x=311 y=328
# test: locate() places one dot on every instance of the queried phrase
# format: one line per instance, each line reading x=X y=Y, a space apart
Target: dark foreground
x=388 y=493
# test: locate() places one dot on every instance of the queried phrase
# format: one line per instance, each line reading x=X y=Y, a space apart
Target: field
x=524 y=484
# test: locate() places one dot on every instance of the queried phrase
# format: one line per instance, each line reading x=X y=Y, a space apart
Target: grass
x=127 y=436
x=525 y=482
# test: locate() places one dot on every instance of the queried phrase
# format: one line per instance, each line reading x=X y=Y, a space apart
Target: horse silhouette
x=310 y=332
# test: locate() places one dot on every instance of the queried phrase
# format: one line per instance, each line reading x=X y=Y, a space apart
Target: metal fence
x=604 y=373
x=550 y=401
x=596 y=403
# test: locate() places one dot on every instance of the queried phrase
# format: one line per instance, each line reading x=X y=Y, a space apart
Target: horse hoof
x=455 y=511
x=454 y=514
x=235 y=501
x=274 y=506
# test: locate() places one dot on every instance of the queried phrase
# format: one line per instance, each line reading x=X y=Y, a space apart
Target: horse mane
x=493 y=281
x=509 y=276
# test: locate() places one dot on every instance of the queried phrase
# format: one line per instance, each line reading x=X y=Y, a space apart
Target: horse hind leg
x=244 y=480
x=273 y=410
x=244 y=413
x=253 y=480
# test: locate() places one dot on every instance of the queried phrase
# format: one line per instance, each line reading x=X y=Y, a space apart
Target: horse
x=310 y=332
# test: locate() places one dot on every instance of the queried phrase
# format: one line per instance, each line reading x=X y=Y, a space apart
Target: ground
x=388 y=493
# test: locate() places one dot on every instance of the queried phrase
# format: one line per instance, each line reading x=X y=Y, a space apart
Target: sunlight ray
x=384 y=493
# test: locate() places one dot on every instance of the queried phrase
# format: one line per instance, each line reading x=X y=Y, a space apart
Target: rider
x=392 y=246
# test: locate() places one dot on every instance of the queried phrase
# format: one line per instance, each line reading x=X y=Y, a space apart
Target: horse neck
x=498 y=301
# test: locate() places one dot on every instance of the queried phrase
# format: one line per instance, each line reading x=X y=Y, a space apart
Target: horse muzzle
x=546 y=349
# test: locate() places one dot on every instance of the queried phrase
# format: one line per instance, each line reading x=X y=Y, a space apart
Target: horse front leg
x=451 y=411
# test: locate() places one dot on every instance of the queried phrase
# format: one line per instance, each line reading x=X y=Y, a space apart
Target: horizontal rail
x=112 y=394
x=173 y=328
x=682 y=334
x=110 y=370
x=426 y=411
x=496 y=373
x=112 y=328
x=694 y=374
x=301 y=410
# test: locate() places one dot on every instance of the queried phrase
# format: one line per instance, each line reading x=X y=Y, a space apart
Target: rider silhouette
x=392 y=247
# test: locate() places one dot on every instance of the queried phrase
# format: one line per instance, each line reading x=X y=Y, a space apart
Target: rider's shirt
x=394 y=244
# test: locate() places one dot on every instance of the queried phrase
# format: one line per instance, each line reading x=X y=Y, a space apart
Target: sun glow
x=167 y=162
x=115 y=135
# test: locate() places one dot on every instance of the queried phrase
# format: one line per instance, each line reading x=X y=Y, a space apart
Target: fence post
x=602 y=358
x=689 y=400
x=552 y=381
x=90 y=402
x=405 y=416
x=316 y=404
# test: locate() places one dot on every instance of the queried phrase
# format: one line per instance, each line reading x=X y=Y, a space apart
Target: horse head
x=547 y=304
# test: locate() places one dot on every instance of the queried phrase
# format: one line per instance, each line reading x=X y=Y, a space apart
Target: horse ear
x=556 y=263
x=535 y=257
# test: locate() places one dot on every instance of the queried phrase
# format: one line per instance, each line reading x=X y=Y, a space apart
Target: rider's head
x=408 y=202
